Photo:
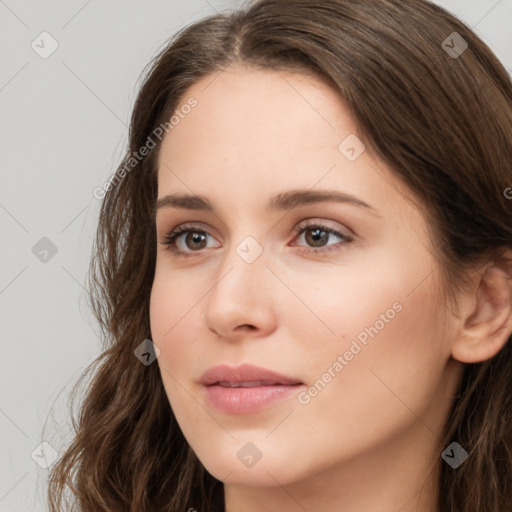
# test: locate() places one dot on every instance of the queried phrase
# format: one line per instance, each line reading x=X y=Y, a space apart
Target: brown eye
x=317 y=238
x=193 y=240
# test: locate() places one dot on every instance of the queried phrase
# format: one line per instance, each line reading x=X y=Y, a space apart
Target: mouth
x=246 y=389
x=250 y=384
x=246 y=375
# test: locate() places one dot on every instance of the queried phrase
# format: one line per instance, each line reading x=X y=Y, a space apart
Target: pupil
x=195 y=237
x=316 y=236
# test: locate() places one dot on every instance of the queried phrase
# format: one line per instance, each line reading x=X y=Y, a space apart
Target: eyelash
x=170 y=238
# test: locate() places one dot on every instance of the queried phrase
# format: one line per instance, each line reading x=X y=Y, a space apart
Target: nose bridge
x=240 y=293
x=243 y=268
x=245 y=254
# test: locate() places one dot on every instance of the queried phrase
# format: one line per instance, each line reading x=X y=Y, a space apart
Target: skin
x=369 y=440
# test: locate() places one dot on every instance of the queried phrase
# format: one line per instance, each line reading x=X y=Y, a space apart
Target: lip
x=246 y=389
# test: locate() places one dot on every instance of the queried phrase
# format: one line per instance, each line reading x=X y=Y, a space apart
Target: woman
x=302 y=270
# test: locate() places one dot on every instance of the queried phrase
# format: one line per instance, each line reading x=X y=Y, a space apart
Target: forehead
x=256 y=132
x=252 y=118
x=262 y=106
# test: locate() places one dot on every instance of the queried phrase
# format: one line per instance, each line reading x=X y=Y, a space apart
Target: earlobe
x=486 y=321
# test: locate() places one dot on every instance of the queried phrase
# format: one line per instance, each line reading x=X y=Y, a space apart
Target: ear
x=486 y=316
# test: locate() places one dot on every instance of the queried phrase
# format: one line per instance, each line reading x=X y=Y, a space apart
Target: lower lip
x=247 y=400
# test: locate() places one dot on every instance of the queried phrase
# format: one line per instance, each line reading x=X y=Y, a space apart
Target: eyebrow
x=280 y=202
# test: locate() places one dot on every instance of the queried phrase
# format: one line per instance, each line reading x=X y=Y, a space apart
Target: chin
x=270 y=470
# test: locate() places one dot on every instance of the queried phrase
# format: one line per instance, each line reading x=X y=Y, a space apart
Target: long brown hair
x=441 y=121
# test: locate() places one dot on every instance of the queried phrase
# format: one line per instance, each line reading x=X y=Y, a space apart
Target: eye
x=318 y=235
x=195 y=238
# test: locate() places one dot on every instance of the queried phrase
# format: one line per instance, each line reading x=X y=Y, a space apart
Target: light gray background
x=63 y=130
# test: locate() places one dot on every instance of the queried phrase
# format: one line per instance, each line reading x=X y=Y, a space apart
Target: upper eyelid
x=297 y=229
x=173 y=236
x=299 y=210
x=303 y=223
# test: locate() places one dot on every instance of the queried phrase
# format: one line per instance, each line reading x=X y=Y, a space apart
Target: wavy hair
x=444 y=126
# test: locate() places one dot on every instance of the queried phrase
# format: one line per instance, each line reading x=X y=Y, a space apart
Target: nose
x=241 y=300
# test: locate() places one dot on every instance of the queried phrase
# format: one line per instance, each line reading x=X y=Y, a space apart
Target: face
x=335 y=294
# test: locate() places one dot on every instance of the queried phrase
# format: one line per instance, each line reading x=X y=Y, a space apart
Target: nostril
x=246 y=326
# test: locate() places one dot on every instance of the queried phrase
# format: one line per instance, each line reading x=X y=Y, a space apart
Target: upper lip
x=245 y=373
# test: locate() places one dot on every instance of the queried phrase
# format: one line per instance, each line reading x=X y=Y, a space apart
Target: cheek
x=386 y=326
x=338 y=308
x=175 y=298
x=166 y=310
x=169 y=312
x=392 y=362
